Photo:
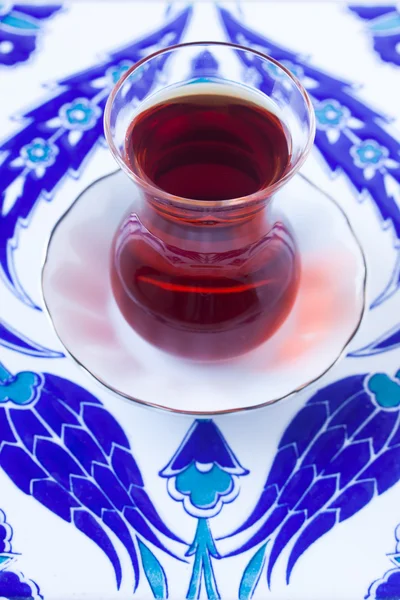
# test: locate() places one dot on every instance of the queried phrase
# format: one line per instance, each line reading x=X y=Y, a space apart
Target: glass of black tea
x=201 y=267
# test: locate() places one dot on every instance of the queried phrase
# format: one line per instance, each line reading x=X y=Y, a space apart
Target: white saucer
x=326 y=315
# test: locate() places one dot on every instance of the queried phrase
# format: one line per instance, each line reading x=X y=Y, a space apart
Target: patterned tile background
x=100 y=499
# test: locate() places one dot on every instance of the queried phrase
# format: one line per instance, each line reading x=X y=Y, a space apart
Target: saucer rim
x=202 y=414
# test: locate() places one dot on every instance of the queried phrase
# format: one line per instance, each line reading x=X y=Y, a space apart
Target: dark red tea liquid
x=209 y=287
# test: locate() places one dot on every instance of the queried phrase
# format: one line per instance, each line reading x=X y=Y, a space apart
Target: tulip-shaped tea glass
x=204 y=266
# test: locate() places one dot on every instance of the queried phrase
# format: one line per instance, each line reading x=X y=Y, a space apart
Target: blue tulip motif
x=61 y=446
x=14 y=340
x=204 y=475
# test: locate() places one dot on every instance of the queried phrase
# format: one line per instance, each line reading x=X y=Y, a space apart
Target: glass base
x=325 y=317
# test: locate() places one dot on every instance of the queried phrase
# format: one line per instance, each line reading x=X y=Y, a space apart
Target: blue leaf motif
x=351 y=137
x=203 y=548
x=340 y=451
x=14 y=340
x=58 y=135
x=251 y=574
x=68 y=452
x=154 y=572
x=389 y=340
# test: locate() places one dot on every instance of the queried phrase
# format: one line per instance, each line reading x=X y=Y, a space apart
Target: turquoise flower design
x=79 y=114
x=38 y=155
x=331 y=114
x=369 y=152
x=203 y=474
x=114 y=74
x=371 y=157
x=207 y=486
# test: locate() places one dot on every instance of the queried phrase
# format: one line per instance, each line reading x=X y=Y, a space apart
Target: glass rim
x=258 y=196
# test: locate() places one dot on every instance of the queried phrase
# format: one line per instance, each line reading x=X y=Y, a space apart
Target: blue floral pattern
x=63 y=449
x=37 y=155
x=369 y=153
x=357 y=122
x=79 y=114
x=203 y=475
x=371 y=157
x=47 y=134
x=331 y=114
x=114 y=74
